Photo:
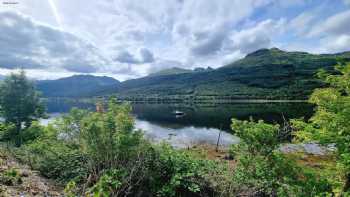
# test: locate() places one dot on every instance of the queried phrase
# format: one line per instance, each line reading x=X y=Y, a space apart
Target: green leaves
x=257 y=137
x=108 y=183
x=19 y=103
x=262 y=170
x=330 y=123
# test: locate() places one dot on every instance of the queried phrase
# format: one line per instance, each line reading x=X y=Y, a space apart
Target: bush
x=330 y=123
x=101 y=154
x=9 y=134
x=262 y=170
x=10 y=177
x=178 y=173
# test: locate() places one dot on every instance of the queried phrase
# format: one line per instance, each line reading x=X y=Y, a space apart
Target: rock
x=291 y=148
x=315 y=149
x=308 y=148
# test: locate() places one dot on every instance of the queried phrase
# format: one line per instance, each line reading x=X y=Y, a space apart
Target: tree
x=262 y=170
x=19 y=103
x=330 y=123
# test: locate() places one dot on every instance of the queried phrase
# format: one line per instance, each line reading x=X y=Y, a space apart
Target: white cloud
x=130 y=38
x=334 y=25
x=143 y=56
x=302 y=23
x=258 y=36
x=30 y=44
x=335 y=44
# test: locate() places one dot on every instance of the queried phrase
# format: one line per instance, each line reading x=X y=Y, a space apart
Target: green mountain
x=171 y=71
x=75 y=86
x=263 y=74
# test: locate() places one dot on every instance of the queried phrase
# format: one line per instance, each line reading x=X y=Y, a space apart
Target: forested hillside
x=264 y=74
x=75 y=86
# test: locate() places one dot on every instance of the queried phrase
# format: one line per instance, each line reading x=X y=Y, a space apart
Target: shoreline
x=180 y=101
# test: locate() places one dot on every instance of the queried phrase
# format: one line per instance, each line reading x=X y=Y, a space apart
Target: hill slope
x=75 y=86
x=170 y=71
x=264 y=74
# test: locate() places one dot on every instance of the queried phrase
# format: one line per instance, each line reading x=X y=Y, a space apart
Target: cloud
x=131 y=38
x=126 y=57
x=143 y=56
x=147 y=56
x=209 y=43
x=302 y=23
x=334 y=25
x=336 y=44
x=165 y=64
x=257 y=37
x=32 y=45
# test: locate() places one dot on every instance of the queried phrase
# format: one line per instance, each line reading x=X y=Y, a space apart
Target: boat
x=178 y=113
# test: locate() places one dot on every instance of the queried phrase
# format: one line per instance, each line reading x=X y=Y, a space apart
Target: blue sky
x=131 y=38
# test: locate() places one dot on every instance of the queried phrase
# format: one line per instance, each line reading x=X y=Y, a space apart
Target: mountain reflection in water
x=199 y=124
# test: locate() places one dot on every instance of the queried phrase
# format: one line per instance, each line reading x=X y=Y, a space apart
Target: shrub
x=10 y=177
x=262 y=170
x=330 y=123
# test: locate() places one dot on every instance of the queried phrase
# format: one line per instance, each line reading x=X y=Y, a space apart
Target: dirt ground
x=19 y=180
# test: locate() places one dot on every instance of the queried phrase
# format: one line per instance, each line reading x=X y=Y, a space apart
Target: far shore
x=183 y=101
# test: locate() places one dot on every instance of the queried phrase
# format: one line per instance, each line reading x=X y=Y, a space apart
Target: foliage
x=7 y=132
x=262 y=170
x=101 y=154
x=71 y=189
x=330 y=123
x=19 y=104
x=108 y=183
x=10 y=177
x=180 y=174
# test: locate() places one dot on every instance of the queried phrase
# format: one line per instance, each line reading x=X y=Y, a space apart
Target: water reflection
x=185 y=136
x=219 y=116
x=198 y=124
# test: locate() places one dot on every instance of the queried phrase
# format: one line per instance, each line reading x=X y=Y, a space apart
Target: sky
x=128 y=39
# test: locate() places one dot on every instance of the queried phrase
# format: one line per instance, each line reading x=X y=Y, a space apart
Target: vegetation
x=264 y=74
x=76 y=86
x=330 y=123
x=263 y=170
x=171 y=71
x=19 y=105
x=102 y=154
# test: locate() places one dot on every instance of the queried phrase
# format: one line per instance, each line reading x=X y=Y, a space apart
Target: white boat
x=178 y=113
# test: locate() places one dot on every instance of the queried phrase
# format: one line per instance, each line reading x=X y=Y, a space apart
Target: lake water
x=200 y=124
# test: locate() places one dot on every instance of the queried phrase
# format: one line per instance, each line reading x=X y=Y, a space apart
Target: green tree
x=330 y=123
x=19 y=103
x=264 y=171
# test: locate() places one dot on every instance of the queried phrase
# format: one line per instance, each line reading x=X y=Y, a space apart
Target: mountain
x=75 y=86
x=2 y=77
x=176 y=71
x=263 y=74
x=170 y=71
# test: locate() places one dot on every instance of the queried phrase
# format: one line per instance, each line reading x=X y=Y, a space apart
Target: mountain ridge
x=170 y=71
x=74 y=86
x=263 y=74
